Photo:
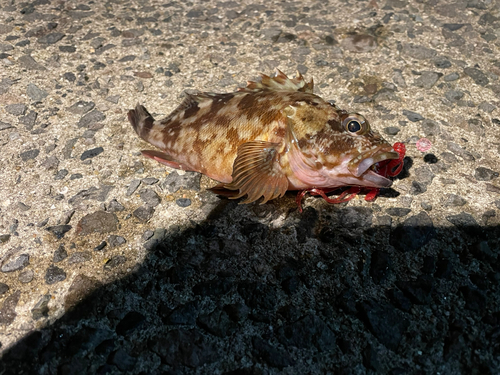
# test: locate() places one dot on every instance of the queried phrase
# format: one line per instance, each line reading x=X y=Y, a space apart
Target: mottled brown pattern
x=289 y=133
x=335 y=125
x=232 y=135
x=191 y=110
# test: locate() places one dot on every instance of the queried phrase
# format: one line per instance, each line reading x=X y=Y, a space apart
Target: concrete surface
x=112 y=263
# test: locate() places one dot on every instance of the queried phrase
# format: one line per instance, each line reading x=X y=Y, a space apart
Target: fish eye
x=355 y=124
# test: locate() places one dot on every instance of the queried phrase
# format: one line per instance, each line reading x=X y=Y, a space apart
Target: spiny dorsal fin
x=280 y=82
x=191 y=100
x=192 y=103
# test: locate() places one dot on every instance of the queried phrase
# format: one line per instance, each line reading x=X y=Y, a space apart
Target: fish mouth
x=364 y=166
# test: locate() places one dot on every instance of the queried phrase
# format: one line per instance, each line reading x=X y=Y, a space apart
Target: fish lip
x=369 y=158
x=376 y=180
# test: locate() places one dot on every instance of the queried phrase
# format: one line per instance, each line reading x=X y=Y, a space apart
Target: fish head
x=345 y=151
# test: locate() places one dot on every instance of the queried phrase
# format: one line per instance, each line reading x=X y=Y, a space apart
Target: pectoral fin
x=257 y=172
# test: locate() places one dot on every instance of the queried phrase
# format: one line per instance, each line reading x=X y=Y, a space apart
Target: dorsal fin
x=190 y=101
x=280 y=82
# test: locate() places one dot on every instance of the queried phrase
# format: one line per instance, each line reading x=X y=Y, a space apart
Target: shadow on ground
x=325 y=292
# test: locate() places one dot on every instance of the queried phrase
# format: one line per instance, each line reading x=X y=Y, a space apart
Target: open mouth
x=368 y=167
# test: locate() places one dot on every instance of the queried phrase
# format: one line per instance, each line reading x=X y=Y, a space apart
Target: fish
x=269 y=137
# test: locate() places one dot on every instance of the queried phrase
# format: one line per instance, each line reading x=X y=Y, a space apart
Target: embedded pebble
x=99 y=194
x=29 y=120
x=153 y=238
x=427 y=79
x=4 y=288
x=485 y=174
x=417 y=188
x=189 y=181
x=54 y=275
x=68 y=147
x=115 y=241
x=442 y=63
x=426 y=205
x=16 y=264
x=149 y=180
x=412 y=116
x=134 y=184
x=487 y=107
x=16 y=109
x=60 y=254
x=97 y=222
x=449 y=157
x=4 y=125
x=127 y=58
x=61 y=174
x=30 y=63
x=423 y=175
x=75 y=176
x=114 y=206
x=465 y=222
x=4 y=238
x=122 y=360
x=144 y=213
x=81 y=287
x=26 y=276
x=67 y=49
x=8 y=310
x=459 y=151
x=115 y=262
x=51 y=38
x=81 y=107
x=149 y=197
x=183 y=202
x=101 y=246
x=454 y=200
x=50 y=163
x=308 y=332
x=91 y=118
x=113 y=99
x=79 y=257
x=91 y=153
x=36 y=93
x=477 y=75
x=29 y=155
x=59 y=230
x=451 y=77
x=23 y=207
x=398 y=78
x=391 y=130
x=41 y=309
x=149 y=233
x=454 y=95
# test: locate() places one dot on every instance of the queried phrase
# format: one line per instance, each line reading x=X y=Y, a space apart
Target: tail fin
x=141 y=121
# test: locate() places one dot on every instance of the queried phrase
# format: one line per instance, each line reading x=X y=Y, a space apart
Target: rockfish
x=272 y=136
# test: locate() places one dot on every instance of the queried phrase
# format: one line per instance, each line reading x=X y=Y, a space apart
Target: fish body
x=270 y=137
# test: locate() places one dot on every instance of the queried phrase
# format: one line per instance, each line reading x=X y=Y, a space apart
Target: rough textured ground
x=111 y=263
